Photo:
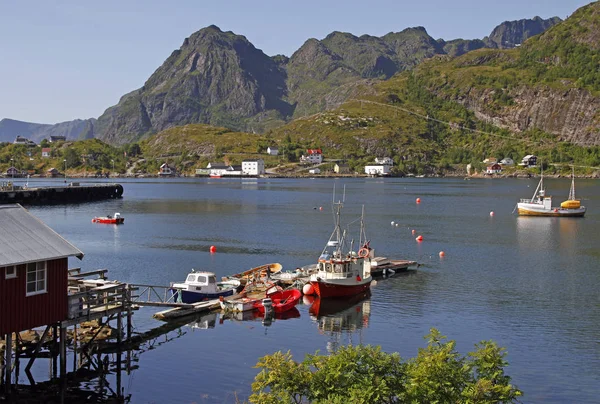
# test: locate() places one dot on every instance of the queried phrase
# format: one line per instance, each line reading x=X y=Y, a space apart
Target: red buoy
x=442 y=254
x=418 y=200
x=414 y=232
x=419 y=238
x=213 y=249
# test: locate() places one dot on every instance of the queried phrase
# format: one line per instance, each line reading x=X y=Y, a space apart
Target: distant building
x=57 y=138
x=166 y=170
x=529 y=161
x=53 y=172
x=24 y=141
x=314 y=171
x=313 y=156
x=46 y=152
x=384 y=160
x=490 y=160
x=273 y=151
x=382 y=167
x=493 y=169
x=221 y=169
x=341 y=168
x=507 y=161
x=12 y=172
x=253 y=167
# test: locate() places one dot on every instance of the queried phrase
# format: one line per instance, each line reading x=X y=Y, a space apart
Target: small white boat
x=541 y=205
x=240 y=304
x=199 y=286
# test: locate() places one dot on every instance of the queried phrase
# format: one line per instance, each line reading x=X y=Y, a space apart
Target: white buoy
x=392 y=223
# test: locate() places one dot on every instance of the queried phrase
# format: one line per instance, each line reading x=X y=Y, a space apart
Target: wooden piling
x=8 y=364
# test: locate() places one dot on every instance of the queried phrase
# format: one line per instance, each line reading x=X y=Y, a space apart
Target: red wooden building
x=33 y=271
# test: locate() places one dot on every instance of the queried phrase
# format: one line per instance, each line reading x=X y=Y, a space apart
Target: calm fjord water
x=531 y=284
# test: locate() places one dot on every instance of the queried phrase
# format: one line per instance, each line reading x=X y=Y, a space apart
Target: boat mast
x=572 y=191
x=540 y=186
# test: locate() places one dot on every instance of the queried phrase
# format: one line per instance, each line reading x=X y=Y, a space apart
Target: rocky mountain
x=220 y=78
x=542 y=98
x=513 y=33
x=215 y=77
x=77 y=129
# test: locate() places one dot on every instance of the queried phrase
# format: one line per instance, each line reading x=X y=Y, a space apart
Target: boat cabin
x=199 y=281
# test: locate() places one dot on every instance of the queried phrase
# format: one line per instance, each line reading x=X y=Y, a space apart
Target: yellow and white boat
x=541 y=205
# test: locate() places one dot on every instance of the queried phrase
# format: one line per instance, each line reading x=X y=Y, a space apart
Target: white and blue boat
x=200 y=286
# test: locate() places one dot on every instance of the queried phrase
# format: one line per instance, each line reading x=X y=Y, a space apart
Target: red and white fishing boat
x=116 y=219
x=342 y=271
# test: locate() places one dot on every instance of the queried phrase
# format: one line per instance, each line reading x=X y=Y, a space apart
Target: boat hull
x=190 y=297
x=238 y=305
x=326 y=289
x=283 y=300
x=525 y=209
x=105 y=220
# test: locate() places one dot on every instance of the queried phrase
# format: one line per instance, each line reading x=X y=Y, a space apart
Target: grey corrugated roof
x=25 y=238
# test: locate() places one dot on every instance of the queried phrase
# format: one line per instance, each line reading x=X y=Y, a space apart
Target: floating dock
x=73 y=192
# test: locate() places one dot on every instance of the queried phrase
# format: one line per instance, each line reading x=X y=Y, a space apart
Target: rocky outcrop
x=513 y=33
x=573 y=115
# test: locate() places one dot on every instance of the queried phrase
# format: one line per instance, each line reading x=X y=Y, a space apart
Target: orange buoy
x=213 y=249
x=418 y=200
x=419 y=238
x=414 y=232
x=308 y=289
x=492 y=213
x=442 y=254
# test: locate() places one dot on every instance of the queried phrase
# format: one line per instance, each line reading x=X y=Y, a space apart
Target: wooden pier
x=73 y=192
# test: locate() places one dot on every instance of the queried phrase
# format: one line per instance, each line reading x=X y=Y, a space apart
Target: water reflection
x=341 y=318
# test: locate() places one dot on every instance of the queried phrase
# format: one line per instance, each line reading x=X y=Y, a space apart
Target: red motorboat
x=116 y=219
x=279 y=301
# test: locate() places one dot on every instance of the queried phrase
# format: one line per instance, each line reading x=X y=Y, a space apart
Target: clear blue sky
x=75 y=59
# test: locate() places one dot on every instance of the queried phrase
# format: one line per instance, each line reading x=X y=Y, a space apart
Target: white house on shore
x=253 y=167
x=382 y=167
x=272 y=150
x=312 y=156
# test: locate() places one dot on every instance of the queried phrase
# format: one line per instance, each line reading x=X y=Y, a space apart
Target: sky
x=75 y=58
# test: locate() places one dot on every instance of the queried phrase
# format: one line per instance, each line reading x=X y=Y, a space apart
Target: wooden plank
x=163 y=304
x=182 y=312
x=101 y=272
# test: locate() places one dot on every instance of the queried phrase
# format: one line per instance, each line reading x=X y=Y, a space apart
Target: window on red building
x=36 y=278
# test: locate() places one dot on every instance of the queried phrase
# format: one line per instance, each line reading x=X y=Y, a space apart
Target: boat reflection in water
x=339 y=318
x=267 y=319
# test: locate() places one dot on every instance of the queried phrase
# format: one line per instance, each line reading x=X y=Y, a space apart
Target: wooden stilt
x=54 y=350
x=7 y=360
x=75 y=348
x=63 y=351
x=2 y=365
x=119 y=342
x=129 y=313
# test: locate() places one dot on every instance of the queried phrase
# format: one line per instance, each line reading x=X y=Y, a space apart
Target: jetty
x=73 y=192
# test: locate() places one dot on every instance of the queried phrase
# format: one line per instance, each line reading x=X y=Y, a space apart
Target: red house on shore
x=33 y=271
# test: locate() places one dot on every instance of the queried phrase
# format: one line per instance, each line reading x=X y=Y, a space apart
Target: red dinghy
x=279 y=301
x=116 y=219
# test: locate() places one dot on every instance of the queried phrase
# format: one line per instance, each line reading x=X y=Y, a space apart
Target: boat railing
x=525 y=200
